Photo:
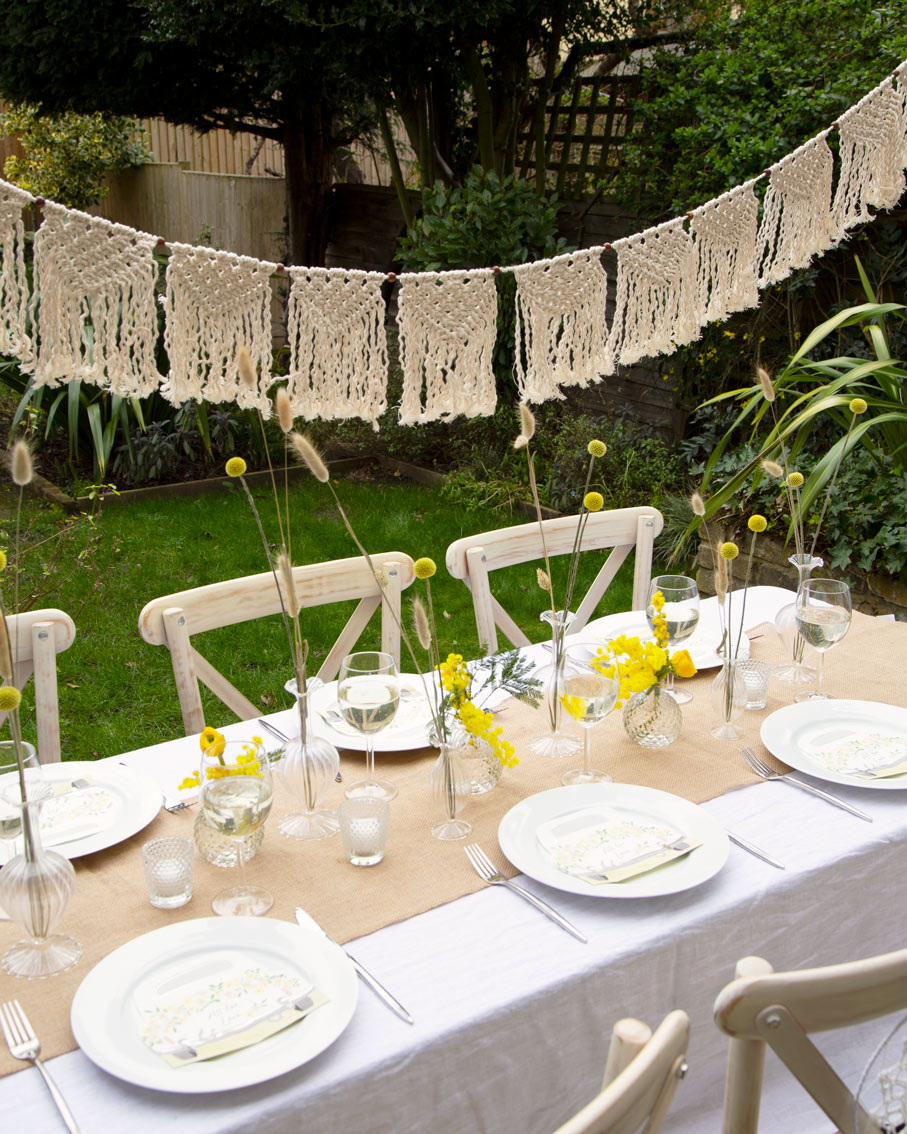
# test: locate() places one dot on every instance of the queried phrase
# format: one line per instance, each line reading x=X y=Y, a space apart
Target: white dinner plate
x=793 y=732
x=701 y=644
x=518 y=841
x=409 y=728
x=136 y=799
x=105 y=1021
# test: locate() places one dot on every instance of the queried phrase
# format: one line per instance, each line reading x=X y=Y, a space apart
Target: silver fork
x=24 y=1044
x=487 y=871
x=762 y=769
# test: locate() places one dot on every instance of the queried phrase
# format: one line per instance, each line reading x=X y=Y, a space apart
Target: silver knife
x=826 y=795
x=376 y=986
x=754 y=850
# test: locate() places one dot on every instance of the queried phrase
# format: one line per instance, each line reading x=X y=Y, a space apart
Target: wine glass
x=36 y=787
x=681 y=611
x=235 y=794
x=368 y=693
x=822 y=612
x=588 y=687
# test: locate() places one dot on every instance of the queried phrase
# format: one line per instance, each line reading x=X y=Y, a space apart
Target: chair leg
x=745 y=1065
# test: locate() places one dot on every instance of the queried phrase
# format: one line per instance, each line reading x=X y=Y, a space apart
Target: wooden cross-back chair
x=473 y=558
x=173 y=619
x=781 y=1010
x=36 y=637
x=641 y=1075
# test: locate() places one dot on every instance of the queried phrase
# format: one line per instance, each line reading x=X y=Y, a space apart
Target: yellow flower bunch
x=212 y=742
x=457 y=683
x=642 y=665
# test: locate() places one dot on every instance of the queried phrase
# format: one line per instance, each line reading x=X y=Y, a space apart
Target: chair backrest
x=36 y=637
x=782 y=1009
x=641 y=1075
x=173 y=619
x=473 y=558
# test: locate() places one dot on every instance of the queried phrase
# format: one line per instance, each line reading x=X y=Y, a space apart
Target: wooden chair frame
x=36 y=637
x=641 y=1075
x=473 y=558
x=781 y=1010
x=173 y=619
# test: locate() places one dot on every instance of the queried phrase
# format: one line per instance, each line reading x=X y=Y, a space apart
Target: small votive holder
x=756 y=676
x=168 y=864
x=364 y=823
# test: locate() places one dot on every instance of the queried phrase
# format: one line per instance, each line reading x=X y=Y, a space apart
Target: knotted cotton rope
x=447 y=325
x=338 y=347
x=873 y=155
x=724 y=233
x=561 y=330
x=656 y=306
x=14 y=291
x=215 y=303
x=94 y=303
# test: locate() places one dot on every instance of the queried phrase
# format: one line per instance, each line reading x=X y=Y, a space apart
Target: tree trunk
x=308 y=154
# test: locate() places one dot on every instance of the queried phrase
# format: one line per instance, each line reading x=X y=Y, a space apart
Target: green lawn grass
x=117 y=692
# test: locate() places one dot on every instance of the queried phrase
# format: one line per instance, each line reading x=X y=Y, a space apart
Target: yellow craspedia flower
x=729 y=550
x=2 y=559
x=757 y=523
x=795 y=480
x=858 y=405
x=593 y=501
x=236 y=466
x=596 y=448
x=9 y=698
x=424 y=567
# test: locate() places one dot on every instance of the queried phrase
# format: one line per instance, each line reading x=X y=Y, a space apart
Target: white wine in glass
x=822 y=613
x=681 y=611
x=368 y=693
x=588 y=694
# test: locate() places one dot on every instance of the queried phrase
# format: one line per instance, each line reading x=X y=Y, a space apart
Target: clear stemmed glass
x=588 y=686
x=368 y=693
x=681 y=609
x=823 y=613
x=235 y=794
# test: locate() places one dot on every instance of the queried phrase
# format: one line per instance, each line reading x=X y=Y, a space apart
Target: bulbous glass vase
x=652 y=718
x=729 y=696
x=796 y=671
x=451 y=789
x=554 y=743
x=309 y=766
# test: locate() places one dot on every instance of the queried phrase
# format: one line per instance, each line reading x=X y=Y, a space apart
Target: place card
x=209 y=1006
x=872 y=755
x=602 y=845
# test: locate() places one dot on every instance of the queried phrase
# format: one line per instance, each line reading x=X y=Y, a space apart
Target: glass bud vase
x=309 y=766
x=795 y=671
x=728 y=696
x=482 y=764
x=450 y=789
x=652 y=718
x=35 y=888
x=554 y=743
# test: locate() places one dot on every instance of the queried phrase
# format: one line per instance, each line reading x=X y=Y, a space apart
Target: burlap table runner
x=109 y=905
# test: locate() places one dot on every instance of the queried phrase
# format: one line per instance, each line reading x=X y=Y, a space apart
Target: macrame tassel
x=873 y=155
x=561 y=331
x=724 y=232
x=447 y=323
x=797 y=222
x=96 y=315
x=14 y=292
x=338 y=347
x=216 y=303
x=657 y=306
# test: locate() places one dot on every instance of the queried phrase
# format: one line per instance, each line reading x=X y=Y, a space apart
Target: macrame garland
x=94 y=302
x=873 y=155
x=14 y=290
x=561 y=330
x=797 y=222
x=215 y=303
x=656 y=306
x=447 y=324
x=338 y=347
x=724 y=233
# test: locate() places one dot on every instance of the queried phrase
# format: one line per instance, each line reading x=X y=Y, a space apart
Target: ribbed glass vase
x=796 y=671
x=450 y=789
x=309 y=766
x=554 y=742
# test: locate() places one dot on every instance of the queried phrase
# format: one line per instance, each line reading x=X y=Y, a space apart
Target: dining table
x=511 y=1014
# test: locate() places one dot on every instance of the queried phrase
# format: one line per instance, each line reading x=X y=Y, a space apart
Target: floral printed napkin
x=870 y=755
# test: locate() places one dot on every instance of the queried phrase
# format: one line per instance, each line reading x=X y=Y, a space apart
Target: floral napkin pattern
x=870 y=755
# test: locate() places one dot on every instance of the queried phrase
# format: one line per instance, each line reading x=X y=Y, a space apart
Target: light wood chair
x=173 y=619
x=782 y=1010
x=641 y=1075
x=36 y=637
x=473 y=558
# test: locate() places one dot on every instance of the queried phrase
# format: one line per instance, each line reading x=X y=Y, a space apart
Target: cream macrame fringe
x=14 y=291
x=872 y=156
x=724 y=234
x=215 y=303
x=338 y=346
x=561 y=330
x=96 y=318
x=447 y=324
x=655 y=306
